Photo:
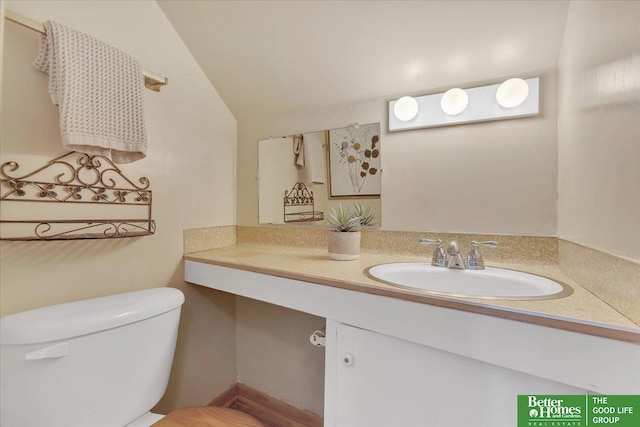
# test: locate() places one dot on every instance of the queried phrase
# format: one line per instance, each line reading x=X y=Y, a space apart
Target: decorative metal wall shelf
x=299 y=205
x=76 y=179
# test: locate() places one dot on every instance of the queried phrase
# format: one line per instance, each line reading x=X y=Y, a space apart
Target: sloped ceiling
x=266 y=57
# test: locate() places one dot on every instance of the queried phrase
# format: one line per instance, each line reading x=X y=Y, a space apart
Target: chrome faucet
x=439 y=258
x=454 y=260
x=474 y=259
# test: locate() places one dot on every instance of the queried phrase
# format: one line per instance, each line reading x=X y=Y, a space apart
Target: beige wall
x=496 y=177
x=499 y=177
x=599 y=127
x=192 y=139
x=1 y=53
x=275 y=355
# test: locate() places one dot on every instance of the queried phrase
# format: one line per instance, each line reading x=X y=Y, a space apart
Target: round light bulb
x=512 y=93
x=405 y=109
x=454 y=101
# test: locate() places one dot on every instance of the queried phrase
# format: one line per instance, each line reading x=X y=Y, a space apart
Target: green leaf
x=343 y=219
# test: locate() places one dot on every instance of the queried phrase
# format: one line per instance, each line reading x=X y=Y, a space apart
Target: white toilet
x=102 y=362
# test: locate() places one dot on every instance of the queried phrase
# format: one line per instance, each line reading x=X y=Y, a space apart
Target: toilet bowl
x=103 y=362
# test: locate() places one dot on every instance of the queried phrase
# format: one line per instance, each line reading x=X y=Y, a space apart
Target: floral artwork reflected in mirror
x=354 y=158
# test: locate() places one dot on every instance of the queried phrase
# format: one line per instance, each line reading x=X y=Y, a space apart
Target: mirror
x=300 y=177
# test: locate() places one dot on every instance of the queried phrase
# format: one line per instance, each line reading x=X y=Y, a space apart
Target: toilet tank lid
x=74 y=319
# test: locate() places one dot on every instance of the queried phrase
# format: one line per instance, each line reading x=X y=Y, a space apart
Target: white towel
x=314 y=157
x=298 y=142
x=98 y=89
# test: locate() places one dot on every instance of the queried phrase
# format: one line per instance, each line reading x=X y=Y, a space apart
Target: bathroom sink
x=490 y=283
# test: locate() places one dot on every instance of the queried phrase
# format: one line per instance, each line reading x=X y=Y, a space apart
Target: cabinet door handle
x=347 y=359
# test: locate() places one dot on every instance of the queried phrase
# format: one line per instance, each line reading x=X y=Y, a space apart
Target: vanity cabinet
x=382 y=381
x=393 y=362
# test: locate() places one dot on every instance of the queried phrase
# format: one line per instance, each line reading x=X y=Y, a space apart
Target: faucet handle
x=439 y=258
x=425 y=241
x=489 y=243
x=474 y=259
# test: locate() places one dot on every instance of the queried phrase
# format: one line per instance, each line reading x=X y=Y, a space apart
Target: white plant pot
x=344 y=246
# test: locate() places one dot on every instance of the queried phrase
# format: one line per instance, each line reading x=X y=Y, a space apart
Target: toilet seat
x=208 y=416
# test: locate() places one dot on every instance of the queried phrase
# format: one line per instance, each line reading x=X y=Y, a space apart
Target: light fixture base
x=482 y=107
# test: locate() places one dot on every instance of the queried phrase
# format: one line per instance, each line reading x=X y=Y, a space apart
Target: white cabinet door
x=387 y=382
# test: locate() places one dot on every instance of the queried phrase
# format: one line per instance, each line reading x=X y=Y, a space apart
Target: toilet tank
x=101 y=362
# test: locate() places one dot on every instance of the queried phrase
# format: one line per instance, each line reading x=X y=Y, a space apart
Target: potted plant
x=344 y=239
x=366 y=216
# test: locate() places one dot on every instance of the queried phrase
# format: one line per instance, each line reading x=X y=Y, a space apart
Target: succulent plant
x=343 y=219
x=366 y=216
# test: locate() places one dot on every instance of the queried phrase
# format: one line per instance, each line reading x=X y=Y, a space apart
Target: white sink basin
x=490 y=283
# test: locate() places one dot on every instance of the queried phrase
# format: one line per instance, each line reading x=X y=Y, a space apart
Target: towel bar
x=151 y=81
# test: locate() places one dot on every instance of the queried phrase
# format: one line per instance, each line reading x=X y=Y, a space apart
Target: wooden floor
x=239 y=407
x=208 y=416
x=268 y=410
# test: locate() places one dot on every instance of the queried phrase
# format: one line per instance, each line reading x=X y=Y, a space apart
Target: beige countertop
x=580 y=312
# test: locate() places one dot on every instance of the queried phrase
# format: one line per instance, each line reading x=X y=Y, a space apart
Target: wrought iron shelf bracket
x=74 y=179
x=299 y=205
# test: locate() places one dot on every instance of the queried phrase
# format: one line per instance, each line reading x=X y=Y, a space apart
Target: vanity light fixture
x=512 y=92
x=454 y=101
x=405 y=108
x=515 y=98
